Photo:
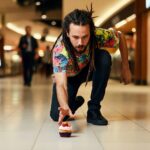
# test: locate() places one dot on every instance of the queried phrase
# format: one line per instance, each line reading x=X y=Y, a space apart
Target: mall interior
x=25 y=123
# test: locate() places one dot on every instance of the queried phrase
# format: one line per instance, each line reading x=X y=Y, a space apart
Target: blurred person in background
x=27 y=49
x=47 y=62
x=81 y=54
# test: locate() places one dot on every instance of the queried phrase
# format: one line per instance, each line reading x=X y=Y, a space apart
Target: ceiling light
x=130 y=18
x=111 y=11
x=44 y=16
x=133 y=30
x=41 y=53
x=51 y=38
x=121 y=23
x=15 y=28
x=8 y=47
x=37 y=36
x=20 y=30
x=38 y=3
x=53 y=23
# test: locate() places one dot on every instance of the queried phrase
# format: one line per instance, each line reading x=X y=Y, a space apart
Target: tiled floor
x=25 y=122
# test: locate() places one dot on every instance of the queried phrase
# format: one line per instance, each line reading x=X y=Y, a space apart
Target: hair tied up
x=91 y=11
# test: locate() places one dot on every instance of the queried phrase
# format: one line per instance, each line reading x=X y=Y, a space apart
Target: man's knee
x=54 y=112
x=54 y=115
x=102 y=58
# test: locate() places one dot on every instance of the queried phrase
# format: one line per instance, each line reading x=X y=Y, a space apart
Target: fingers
x=62 y=113
x=60 y=120
x=125 y=78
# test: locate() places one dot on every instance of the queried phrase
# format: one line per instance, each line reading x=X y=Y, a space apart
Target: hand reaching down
x=62 y=113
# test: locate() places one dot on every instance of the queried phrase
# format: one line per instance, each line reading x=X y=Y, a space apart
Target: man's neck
x=28 y=35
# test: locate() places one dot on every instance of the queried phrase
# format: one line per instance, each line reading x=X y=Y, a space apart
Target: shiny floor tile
x=25 y=123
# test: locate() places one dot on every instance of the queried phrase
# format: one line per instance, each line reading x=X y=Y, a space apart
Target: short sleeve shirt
x=62 y=61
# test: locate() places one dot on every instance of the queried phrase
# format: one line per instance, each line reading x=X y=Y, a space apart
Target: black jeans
x=99 y=79
x=28 y=63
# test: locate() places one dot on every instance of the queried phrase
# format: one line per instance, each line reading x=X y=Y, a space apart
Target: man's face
x=79 y=36
x=28 y=30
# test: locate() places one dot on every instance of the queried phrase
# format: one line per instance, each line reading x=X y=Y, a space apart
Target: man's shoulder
x=23 y=37
x=100 y=31
x=60 y=50
x=59 y=41
x=99 y=28
x=59 y=46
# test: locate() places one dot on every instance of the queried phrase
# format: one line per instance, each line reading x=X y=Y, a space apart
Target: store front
x=124 y=21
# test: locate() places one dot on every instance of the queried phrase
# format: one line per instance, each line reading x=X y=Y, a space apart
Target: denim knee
x=102 y=58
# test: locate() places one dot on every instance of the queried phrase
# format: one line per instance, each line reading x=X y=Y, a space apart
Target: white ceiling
x=14 y=12
x=102 y=8
x=21 y=16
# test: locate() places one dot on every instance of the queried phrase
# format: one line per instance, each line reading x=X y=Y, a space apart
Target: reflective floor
x=25 y=122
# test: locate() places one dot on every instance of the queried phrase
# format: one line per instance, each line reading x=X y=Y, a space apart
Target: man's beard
x=81 y=51
x=77 y=51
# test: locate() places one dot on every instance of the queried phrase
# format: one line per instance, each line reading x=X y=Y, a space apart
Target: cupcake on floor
x=65 y=129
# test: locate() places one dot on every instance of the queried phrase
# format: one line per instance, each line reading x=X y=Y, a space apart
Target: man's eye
x=75 y=37
x=84 y=37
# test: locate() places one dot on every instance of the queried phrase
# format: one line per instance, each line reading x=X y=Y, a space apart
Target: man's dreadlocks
x=79 y=17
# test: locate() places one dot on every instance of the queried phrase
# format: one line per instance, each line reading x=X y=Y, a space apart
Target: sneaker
x=95 y=117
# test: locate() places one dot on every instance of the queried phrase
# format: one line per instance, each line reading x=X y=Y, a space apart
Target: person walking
x=27 y=47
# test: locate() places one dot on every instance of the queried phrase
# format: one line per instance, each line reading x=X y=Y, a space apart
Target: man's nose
x=80 y=42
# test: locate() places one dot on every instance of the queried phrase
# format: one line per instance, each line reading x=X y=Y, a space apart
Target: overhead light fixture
x=37 y=36
x=21 y=31
x=38 y=3
x=8 y=47
x=121 y=23
x=53 y=23
x=41 y=53
x=15 y=28
x=130 y=18
x=51 y=38
x=44 y=16
x=111 y=11
x=133 y=30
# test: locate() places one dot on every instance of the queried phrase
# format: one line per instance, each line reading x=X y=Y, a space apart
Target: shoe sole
x=95 y=123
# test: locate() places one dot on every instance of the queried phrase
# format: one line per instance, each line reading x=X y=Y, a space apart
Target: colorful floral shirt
x=62 y=61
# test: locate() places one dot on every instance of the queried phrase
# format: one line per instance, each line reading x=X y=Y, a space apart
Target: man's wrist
x=65 y=106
